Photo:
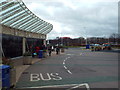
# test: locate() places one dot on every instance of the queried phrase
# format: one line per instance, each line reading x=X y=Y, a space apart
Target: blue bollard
x=40 y=54
x=5 y=73
x=87 y=46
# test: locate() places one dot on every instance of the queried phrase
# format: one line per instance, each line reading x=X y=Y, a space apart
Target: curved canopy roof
x=16 y=15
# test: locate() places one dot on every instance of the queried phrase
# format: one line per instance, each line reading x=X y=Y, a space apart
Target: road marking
x=73 y=86
x=68 y=57
x=63 y=62
x=55 y=76
x=70 y=54
x=34 y=77
x=65 y=66
x=80 y=53
x=45 y=77
x=69 y=71
x=85 y=84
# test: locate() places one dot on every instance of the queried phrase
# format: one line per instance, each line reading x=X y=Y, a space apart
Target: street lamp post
x=86 y=40
x=85 y=35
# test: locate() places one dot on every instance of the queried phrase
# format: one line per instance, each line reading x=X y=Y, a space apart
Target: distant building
x=67 y=41
x=97 y=40
x=77 y=41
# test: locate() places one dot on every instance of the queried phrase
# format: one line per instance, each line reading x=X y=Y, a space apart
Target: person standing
x=37 y=49
x=57 y=50
x=49 y=50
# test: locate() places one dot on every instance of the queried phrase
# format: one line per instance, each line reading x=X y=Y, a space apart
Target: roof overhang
x=15 y=14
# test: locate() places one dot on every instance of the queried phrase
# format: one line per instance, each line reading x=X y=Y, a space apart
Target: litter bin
x=5 y=73
x=27 y=60
x=62 y=50
x=40 y=54
x=88 y=46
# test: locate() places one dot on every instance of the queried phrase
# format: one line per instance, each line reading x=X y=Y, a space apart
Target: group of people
x=51 y=48
x=46 y=49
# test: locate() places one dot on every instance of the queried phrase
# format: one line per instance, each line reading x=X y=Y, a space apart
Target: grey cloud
x=98 y=19
x=53 y=4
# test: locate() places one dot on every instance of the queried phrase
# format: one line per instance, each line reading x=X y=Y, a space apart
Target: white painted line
x=68 y=57
x=69 y=71
x=58 y=85
x=87 y=86
x=75 y=87
x=80 y=53
x=49 y=78
x=34 y=77
x=70 y=54
x=65 y=67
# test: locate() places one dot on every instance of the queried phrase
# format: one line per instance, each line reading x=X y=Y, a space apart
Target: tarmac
x=72 y=69
x=21 y=68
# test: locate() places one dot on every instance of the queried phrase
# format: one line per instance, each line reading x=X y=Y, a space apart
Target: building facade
x=20 y=29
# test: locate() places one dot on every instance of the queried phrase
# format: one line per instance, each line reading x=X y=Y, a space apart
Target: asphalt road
x=76 y=68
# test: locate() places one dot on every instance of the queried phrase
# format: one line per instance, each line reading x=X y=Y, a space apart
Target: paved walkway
x=20 y=69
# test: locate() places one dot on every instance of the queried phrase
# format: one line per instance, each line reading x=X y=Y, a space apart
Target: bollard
x=40 y=54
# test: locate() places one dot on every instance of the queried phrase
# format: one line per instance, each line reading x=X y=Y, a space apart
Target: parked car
x=106 y=46
x=96 y=47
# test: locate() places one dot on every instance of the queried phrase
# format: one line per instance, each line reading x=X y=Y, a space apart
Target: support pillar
x=24 y=46
x=44 y=42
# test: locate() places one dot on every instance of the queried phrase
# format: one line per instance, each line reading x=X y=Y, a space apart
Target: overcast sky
x=77 y=18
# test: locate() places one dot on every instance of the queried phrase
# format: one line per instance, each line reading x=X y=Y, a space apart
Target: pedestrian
x=49 y=50
x=57 y=50
x=37 y=49
x=92 y=48
x=52 y=48
x=33 y=51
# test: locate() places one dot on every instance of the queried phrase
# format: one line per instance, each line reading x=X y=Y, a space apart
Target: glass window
x=4 y=4
x=47 y=31
x=9 y=5
x=14 y=49
x=1 y=1
x=9 y=10
x=39 y=27
x=20 y=21
x=32 y=24
x=20 y=25
x=36 y=25
x=11 y=13
x=25 y=21
x=45 y=28
x=15 y=19
x=27 y=24
x=12 y=17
